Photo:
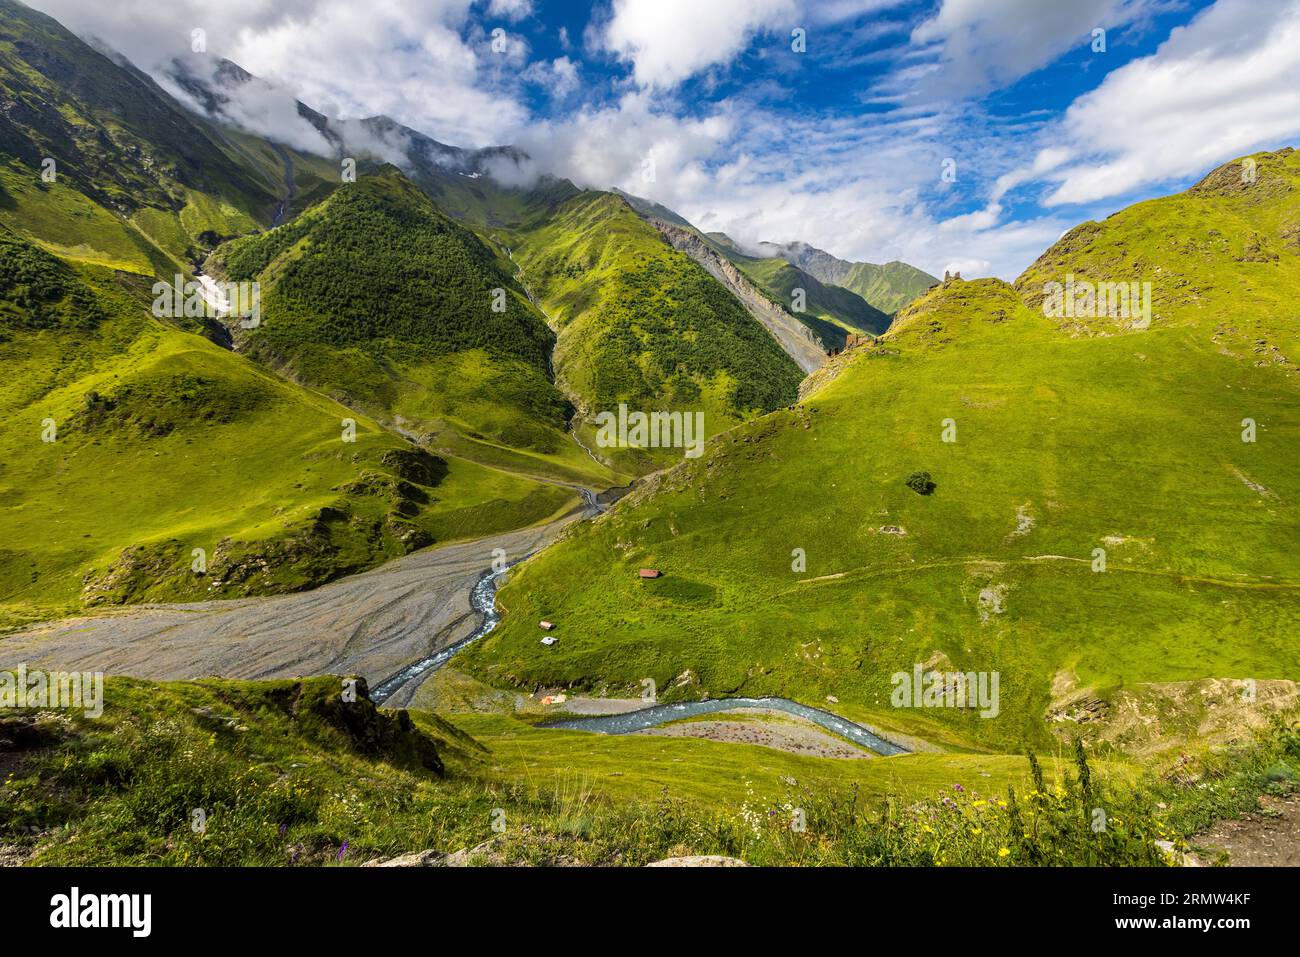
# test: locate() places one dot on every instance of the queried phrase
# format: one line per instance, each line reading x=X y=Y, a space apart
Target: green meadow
x=798 y=562
x=283 y=773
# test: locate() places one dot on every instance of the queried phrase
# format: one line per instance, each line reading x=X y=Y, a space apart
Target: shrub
x=919 y=482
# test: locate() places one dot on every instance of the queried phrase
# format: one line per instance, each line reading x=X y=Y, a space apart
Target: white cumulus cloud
x=670 y=40
x=981 y=44
x=1225 y=85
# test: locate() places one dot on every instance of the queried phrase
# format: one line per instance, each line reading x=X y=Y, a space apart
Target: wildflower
x=1003 y=852
x=342 y=850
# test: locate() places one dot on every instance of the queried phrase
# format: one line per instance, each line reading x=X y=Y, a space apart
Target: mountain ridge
x=888 y=286
x=829 y=314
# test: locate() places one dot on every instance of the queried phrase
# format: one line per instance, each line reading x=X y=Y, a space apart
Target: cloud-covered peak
x=946 y=133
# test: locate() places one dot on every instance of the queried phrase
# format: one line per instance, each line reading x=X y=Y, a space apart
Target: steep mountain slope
x=829 y=313
x=887 y=287
x=838 y=308
x=135 y=174
x=127 y=443
x=639 y=323
x=803 y=339
x=217 y=89
x=379 y=299
x=799 y=560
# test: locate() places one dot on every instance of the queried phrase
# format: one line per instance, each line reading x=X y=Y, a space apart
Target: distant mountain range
x=889 y=287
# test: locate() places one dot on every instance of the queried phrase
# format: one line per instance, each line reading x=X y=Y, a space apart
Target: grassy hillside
x=136 y=173
x=1067 y=437
x=639 y=323
x=1221 y=260
x=161 y=443
x=378 y=299
x=284 y=773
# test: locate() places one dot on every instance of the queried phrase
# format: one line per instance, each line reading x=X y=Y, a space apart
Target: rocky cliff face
x=792 y=335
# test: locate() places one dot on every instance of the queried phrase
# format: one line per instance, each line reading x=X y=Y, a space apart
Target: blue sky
x=948 y=133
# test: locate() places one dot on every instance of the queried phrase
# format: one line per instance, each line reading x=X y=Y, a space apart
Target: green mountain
x=377 y=298
x=940 y=498
x=137 y=181
x=129 y=442
x=639 y=323
x=829 y=313
x=474 y=388
x=888 y=287
x=832 y=311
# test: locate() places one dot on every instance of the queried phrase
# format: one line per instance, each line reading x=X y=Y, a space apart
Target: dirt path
x=867 y=572
x=1269 y=837
x=369 y=624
